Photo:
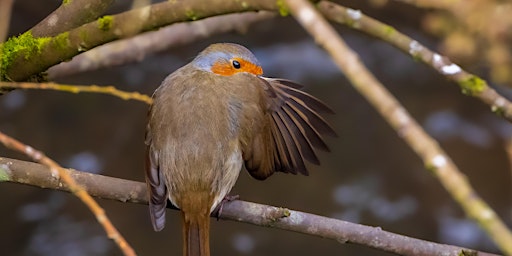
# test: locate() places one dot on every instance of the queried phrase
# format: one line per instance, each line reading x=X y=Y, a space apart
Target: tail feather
x=196 y=237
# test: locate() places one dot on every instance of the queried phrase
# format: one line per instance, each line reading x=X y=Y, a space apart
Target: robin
x=214 y=117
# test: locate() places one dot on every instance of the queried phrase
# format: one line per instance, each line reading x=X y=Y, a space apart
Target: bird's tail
x=196 y=235
x=196 y=224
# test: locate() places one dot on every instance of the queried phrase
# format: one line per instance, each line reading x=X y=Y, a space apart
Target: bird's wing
x=295 y=129
x=156 y=186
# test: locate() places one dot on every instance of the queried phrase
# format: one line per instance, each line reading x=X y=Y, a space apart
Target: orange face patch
x=228 y=69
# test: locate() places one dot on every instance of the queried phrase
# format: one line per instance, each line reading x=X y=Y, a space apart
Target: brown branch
x=470 y=84
x=32 y=56
x=58 y=174
x=5 y=18
x=435 y=159
x=436 y=4
x=136 y=48
x=70 y=15
x=111 y=90
x=38 y=175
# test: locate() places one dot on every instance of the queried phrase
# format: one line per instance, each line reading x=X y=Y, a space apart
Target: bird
x=215 y=117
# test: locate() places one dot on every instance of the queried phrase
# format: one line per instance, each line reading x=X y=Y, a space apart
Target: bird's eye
x=236 y=64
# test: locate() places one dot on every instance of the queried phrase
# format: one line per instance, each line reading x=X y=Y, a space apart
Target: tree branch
x=70 y=15
x=470 y=84
x=136 y=48
x=60 y=174
x=38 y=175
x=5 y=18
x=111 y=90
x=435 y=159
x=26 y=55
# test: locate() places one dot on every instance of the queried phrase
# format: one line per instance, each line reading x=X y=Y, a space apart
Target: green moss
x=61 y=40
x=498 y=110
x=4 y=173
x=64 y=2
x=430 y=167
x=472 y=85
x=467 y=253
x=105 y=22
x=245 y=5
x=283 y=9
x=24 y=44
x=191 y=15
x=389 y=31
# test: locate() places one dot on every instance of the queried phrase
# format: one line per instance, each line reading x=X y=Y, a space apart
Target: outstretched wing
x=156 y=186
x=294 y=129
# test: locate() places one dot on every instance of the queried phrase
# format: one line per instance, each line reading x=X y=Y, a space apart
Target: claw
x=218 y=210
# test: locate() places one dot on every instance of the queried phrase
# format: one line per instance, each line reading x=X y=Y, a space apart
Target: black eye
x=236 y=64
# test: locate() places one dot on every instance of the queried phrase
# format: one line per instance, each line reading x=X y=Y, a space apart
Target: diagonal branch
x=5 y=18
x=470 y=84
x=70 y=15
x=59 y=174
x=38 y=175
x=26 y=55
x=136 y=48
x=435 y=159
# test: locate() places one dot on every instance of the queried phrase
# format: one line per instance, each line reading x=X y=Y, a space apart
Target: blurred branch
x=435 y=159
x=472 y=31
x=470 y=84
x=136 y=48
x=5 y=18
x=26 y=55
x=59 y=174
x=261 y=215
x=79 y=88
x=441 y=4
x=70 y=15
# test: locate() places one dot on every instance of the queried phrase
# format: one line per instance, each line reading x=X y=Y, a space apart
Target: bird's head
x=227 y=59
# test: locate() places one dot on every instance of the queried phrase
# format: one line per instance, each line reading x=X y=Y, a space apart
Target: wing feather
x=156 y=187
x=296 y=129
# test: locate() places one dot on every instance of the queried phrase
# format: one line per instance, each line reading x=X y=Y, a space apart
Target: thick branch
x=70 y=15
x=136 y=48
x=31 y=56
x=435 y=159
x=5 y=18
x=33 y=174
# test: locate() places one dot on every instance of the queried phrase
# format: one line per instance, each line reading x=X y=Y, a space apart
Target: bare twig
x=435 y=159
x=262 y=215
x=5 y=18
x=470 y=84
x=57 y=174
x=136 y=48
x=69 y=15
x=79 y=88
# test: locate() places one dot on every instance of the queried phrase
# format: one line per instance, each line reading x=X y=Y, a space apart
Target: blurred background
x=369 y=177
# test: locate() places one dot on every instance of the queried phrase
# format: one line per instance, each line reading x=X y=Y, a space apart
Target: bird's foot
x=218 y=210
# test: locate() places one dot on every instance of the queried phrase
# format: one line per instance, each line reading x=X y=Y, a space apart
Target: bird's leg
x=218 y=210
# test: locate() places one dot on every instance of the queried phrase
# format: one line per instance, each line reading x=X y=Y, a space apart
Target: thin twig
x=105 y=187
x=435 y=159
x=111 y=90
x=57 y=174
x=470 y=84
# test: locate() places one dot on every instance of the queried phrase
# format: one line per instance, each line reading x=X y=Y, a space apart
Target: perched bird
x=214 y=117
